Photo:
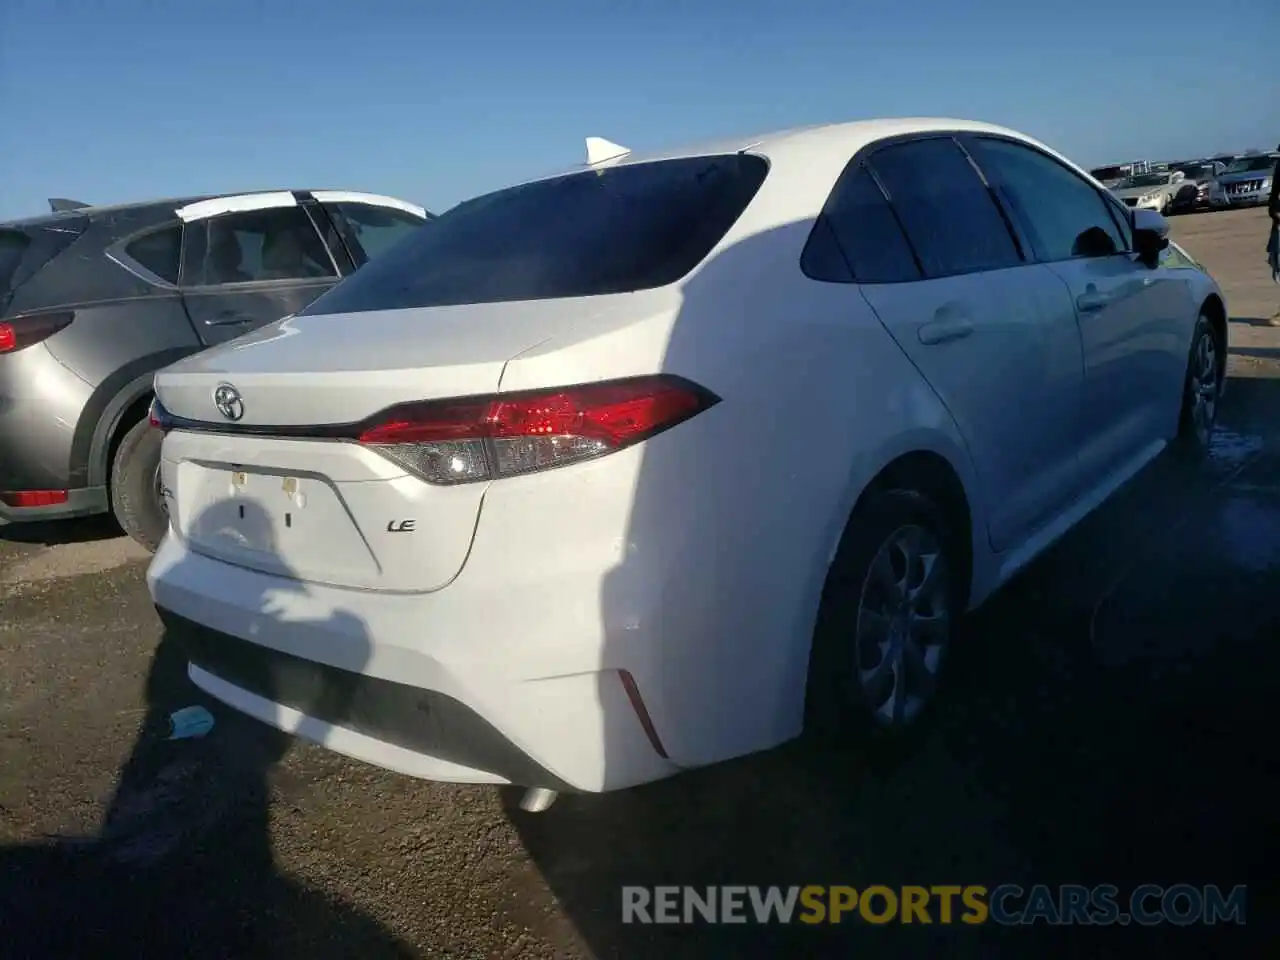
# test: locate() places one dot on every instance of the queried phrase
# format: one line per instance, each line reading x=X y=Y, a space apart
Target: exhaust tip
x=537 y=799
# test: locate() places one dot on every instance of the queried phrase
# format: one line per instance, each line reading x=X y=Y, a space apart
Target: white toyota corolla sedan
x=666 y=459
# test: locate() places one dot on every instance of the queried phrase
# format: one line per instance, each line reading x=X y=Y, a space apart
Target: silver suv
x=95 y=300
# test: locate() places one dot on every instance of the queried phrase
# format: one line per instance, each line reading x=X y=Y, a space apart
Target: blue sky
x=121 y=100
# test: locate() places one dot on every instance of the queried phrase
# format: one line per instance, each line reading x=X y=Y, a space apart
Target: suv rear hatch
x=352 y=444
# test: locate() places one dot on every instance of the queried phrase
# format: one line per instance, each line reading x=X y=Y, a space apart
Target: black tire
x=1195 y=434
x=839 y=709
x=135 y=495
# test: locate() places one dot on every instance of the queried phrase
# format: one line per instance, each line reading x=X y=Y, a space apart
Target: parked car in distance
x=1110 y=176
x=1150 y=191
x=94 y=300
x=667 y=459
x=1198 y=180
x=1246 y=182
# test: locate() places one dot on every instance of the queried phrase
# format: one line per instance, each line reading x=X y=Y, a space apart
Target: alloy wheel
x=1205 y=385
x=903 y=626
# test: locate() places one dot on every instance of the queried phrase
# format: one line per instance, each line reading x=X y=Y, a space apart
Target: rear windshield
x=614 y=230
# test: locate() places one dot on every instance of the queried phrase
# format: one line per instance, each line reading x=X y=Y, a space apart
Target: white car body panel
x=693 y=561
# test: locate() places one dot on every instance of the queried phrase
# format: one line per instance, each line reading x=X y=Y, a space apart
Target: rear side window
x=370 y=230
x=1064 y=215
x=251 y=246
x=866 y=230
x=614 y=230
x=158 y=251
x=947 y=211
x=13 y=244
x=24 y=251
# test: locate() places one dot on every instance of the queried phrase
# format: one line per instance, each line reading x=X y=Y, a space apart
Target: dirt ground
x=1110 y=722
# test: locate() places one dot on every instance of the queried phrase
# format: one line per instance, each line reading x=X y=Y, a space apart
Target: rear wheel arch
x=119 y=402
x=933 y=483
x=931 y=475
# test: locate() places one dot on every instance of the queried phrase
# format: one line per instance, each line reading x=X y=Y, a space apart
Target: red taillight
x=482 y=438
x=33 y=498
x=19 y=332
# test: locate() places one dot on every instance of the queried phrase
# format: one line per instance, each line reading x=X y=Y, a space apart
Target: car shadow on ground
x=1257 y=321
x=1107 y=721
x=1258 y=353
x=51 y=533
x=182 y=863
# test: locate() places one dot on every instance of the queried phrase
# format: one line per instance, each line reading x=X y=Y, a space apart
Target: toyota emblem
x=228 y=401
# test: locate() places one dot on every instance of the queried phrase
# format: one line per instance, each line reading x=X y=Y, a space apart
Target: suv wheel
x=135 y=486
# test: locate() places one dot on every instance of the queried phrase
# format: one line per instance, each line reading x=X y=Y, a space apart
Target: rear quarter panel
x=734 y=515
x=115 y=348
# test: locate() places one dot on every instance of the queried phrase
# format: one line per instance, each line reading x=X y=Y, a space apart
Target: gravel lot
x=1108 y=723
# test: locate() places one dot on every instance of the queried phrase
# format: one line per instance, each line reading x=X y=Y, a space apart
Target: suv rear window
x=615 y=230
x=24 y=250
x=13 y=244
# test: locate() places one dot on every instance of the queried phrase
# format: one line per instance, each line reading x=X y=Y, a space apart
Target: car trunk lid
x=282 y=488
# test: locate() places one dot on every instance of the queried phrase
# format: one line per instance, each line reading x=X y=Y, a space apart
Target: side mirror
x=1150 y=235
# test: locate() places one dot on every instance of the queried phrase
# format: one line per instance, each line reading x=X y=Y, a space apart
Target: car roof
x=169 y=204
x=825 y=139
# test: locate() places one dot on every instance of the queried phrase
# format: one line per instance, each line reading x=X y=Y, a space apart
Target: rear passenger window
x=279 y=243
x=867 y=232
x=950 y=218
x=372 y=230
x=1064 y=215
x=158 y=252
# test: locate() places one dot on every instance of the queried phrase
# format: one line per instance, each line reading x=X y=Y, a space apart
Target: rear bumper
x=85 y=502
x=427 y=685
x=421 y=732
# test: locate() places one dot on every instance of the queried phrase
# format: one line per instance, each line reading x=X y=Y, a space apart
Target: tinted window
x=13 y=244
x=1063 y=214
x=1123 y=219
x=370 y=230
x=276 y=244
x=867 y=232
x=158 y=252
x=25 y=251
x=614 y=230
x=953 y=224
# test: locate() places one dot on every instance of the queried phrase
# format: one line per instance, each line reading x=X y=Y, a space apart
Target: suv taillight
x=484 y=438
x=24 y=331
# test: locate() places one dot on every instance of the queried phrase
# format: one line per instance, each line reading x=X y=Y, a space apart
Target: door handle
x=1091 y=301
x=228 y=318
x=945 y=330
